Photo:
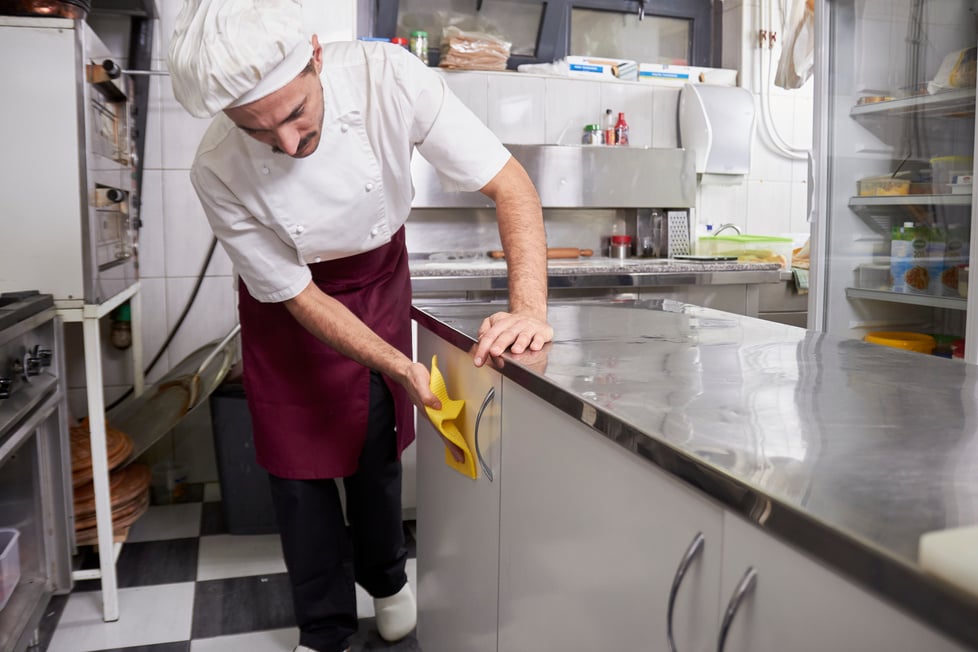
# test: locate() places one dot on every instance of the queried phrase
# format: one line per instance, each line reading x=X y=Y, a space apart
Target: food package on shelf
x=957 y=70
x=596 y=67
x=462 y=50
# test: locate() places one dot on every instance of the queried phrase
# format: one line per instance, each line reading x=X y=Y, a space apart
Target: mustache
x=301 y=146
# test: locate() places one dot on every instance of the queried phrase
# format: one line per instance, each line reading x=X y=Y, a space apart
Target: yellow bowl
x=903 y=340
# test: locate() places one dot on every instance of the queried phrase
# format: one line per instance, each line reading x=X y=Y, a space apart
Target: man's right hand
x=417 y=382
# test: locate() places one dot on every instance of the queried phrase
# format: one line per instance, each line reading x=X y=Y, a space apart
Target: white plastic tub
x=9 y=564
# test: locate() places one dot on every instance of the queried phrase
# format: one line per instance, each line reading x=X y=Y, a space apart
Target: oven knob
x=5 y=384
x=31 y=366
x=42 y=354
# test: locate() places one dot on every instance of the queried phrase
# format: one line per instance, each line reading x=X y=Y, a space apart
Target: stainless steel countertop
x=473 y=274
x=849 y=451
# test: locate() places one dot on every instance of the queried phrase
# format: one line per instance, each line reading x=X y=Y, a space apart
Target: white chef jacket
x=274 y=214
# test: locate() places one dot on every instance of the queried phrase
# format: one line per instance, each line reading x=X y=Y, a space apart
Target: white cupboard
x=458 y=518
x=798 y=604
x=591 y=537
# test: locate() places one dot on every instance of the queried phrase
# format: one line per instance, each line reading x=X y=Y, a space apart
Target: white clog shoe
x=396 y=615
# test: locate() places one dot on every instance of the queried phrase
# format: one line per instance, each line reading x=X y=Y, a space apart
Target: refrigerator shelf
x=950 y=104
x=880 y=213
x=857 y=203
x=949 y=303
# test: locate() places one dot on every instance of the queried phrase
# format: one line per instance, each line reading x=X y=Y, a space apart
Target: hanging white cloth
x=798 y=48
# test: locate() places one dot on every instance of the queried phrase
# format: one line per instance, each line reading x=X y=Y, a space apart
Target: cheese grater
x=670 y=233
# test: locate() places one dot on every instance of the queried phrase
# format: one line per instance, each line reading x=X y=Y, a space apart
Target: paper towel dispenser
x=717 y=124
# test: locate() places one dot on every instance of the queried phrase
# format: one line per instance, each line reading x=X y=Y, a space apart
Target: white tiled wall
x=519 y=108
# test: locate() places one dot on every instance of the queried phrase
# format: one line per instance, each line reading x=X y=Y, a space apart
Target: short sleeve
x=466 y=154
x=267 y=265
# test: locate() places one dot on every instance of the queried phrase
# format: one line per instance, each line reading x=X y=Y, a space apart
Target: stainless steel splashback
x=569 y=176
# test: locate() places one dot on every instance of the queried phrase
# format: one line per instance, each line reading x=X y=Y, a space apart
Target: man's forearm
x=331 y=322
x=523 y=237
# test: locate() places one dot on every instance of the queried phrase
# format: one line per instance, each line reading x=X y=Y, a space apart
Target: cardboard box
x=598 y=67
x=672 y=75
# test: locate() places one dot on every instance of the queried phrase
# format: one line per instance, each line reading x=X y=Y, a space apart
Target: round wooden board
x=124 y=485
x=118 y=447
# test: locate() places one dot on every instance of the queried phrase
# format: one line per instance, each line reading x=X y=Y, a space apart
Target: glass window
x=516 y=22
x=623 y=36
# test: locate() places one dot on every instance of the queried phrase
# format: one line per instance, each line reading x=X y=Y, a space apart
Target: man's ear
x=317 y=53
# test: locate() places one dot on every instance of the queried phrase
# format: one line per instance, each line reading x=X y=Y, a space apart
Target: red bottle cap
x=621 y=239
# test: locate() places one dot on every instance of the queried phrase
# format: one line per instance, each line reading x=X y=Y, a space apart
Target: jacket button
x=300 y=229
x=344 y=128
x=369 y=187
x=374 y=231
x=317 y=259
x=265 y=170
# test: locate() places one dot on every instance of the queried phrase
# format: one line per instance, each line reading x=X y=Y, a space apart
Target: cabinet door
x=798 y=604
x=458 y=518
x=591 y=537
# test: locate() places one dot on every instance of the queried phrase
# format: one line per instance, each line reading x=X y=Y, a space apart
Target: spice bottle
x=609 y=127
x=419 y=45
x=621 y=130
x=400 y=40
x=592 y=135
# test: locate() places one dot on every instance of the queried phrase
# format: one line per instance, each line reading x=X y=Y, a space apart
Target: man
x=304 y=175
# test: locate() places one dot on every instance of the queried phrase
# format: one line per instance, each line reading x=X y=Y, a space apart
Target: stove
x=17 y=306
x=35 y=461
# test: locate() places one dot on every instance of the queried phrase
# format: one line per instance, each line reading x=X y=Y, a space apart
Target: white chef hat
x=225 y=53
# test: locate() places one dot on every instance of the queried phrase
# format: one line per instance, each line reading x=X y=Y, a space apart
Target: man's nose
x=288 y=139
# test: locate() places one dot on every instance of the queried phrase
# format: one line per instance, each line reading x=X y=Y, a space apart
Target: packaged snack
x=908 y=259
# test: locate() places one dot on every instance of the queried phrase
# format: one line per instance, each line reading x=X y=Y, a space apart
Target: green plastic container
x=748 y=248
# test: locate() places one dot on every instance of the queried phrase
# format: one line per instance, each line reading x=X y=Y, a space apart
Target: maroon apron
x=309 y=403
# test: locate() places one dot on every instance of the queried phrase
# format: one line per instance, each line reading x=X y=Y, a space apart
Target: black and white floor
x=186 y=585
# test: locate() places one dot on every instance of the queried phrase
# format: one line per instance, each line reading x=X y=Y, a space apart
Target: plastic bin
x=748 y=248
x=246 y=496
x=9 y=563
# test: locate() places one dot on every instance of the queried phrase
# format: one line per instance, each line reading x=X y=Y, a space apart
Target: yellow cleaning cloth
x=444 y=421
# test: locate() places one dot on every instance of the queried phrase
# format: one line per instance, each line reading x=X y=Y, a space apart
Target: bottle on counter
x=621 y=130
x=419 y=45
x=609 y=127
x=592 y=135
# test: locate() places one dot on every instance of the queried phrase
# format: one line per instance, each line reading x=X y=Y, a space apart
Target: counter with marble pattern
x=847 y=450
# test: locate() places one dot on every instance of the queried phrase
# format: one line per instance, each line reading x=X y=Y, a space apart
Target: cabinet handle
x=478 y=451
x=746 y=584
x=691 y=552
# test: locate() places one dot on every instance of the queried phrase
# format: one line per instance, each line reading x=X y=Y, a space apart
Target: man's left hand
x=511 y=330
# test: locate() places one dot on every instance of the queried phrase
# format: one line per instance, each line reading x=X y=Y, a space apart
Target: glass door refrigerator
x=893 y=200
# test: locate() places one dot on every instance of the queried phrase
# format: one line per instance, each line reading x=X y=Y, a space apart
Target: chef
x=304 y=175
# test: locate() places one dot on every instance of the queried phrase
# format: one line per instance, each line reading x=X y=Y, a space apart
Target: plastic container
x=621 y=247
x=9 y=563
x=945 y=168
x=908 y=341
x=883 y=186
x=246 y=496
x=874 y=276
x=748 y=248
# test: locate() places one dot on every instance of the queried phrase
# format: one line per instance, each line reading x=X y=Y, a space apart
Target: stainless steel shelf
x=951 y=104
x=949 y=303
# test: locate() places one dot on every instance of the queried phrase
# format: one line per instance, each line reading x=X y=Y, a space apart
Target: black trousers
x=324 y=557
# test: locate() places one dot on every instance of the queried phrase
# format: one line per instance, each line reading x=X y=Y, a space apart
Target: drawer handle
x=478 y=450
x=694 y=549
x=746 y=584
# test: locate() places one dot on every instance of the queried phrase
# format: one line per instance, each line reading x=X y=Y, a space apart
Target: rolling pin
x=553 y=252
